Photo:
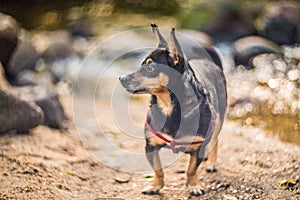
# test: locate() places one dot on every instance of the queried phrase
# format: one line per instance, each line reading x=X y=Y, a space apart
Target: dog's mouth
x=138 y=91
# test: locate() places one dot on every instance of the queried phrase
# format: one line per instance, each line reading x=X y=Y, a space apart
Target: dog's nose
x=121 y=78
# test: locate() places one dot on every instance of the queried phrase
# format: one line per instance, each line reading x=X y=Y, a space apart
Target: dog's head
x=158 y=68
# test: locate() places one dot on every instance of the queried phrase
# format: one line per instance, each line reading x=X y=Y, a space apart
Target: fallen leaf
x=70 y=172
x=286 y=181
x=151 y=175
x=122 y=179
x=228 y=197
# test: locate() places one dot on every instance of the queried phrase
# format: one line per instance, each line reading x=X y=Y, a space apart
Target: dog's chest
x=163 y=123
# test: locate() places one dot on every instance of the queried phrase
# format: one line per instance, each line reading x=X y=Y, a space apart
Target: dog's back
x=211 y=77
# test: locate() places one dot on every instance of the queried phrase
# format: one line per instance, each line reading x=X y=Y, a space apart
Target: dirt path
x=49 y=164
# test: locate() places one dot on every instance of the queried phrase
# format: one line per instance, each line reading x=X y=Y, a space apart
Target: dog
x=187 y=108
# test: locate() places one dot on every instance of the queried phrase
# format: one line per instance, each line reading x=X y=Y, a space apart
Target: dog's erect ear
x=174 y=49
x=161 y=42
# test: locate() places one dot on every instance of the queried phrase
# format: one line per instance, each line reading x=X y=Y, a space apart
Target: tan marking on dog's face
x=163 y=101
x=155 y=84
x=137 y=77
x=163 y=95
x=163 y=79
x=149 y=60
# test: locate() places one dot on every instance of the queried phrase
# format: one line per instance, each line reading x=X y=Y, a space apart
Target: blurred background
x=59 y=67
x=104 y=15
x=44 y=42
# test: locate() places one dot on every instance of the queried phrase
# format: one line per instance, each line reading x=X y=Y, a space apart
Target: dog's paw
x=151 y=190
x=196 y=190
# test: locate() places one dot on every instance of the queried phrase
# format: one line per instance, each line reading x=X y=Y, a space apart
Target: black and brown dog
x=188 y=103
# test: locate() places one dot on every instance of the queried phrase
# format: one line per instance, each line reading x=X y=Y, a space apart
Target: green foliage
x=286 y=181
x=289 y=184
x=196 y=18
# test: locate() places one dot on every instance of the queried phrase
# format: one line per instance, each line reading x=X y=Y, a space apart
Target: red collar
x=173 y=143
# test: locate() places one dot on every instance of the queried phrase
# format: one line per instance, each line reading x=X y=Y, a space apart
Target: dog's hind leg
x=212 y=159
x=154 y=160
x=192 y=182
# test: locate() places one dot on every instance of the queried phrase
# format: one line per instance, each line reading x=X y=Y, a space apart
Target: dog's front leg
x=154 y=160
x=192 y=177
x=212 y=159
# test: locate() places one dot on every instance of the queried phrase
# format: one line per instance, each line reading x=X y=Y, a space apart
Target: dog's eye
x=150 y=68
x=149 y=60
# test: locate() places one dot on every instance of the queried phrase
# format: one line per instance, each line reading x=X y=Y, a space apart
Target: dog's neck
x=164 y=100
x=168 y=102
x=175 y=115
x=181 y=107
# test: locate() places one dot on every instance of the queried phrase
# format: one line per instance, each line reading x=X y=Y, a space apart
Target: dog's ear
x=161 y=42
x=175 y=52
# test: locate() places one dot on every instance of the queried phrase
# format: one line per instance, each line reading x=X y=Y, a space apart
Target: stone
x=24 y=57
x=3 y=82
x=81 y=29
x=246 y=48
x=9 y=30
x=230 y=25
x=29 y=77
x=58 y=51
x=122 y=178
x=47 y=99
x=57 y=59
x=281 y=22
x=17 y=114
x=198 y=45
x=228 y=197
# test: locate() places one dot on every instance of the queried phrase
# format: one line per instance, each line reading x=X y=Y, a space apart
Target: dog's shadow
x=164 y=196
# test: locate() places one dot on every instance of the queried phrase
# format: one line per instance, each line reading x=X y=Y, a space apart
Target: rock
x=230 y=25
x=281 y=22
x=242 y=106
x=17 y=114
x=24 y=57
x=228 y=197
x=3 y=82
x=245 y=49
x=58 y=51
x=122 y=178
x=47 y=99
x=81 y=29
x=42 y=40
x=29 y=77
x=198 y=45
x=57 y=57
x=9 y=30
x=202 y=38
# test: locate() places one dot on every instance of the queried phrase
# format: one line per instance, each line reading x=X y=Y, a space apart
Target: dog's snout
x=122 y=78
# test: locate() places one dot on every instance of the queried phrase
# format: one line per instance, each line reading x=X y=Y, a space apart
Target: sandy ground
x=51 y=164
